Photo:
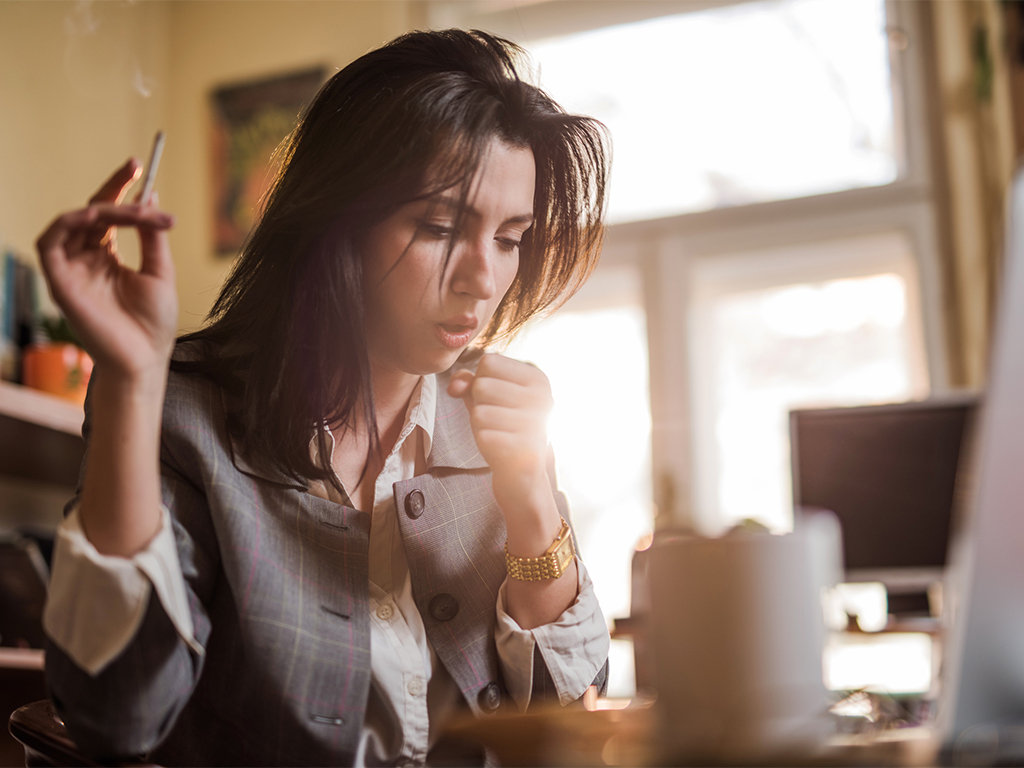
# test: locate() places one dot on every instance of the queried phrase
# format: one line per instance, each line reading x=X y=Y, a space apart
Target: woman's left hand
x=509 y=402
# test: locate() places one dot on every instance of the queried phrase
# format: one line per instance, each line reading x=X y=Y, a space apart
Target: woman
x=348 y=519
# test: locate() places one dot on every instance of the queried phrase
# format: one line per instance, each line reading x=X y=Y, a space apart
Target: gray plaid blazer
x=277 y=581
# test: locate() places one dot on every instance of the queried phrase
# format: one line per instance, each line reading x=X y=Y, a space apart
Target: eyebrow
x=453 y=203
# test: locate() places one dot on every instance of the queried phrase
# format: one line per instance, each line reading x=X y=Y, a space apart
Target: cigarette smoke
x=102 y=59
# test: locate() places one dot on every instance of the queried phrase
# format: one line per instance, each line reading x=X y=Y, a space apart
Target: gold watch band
x=551 y=565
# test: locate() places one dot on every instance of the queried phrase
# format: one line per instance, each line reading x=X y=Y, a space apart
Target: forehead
x=502 y=183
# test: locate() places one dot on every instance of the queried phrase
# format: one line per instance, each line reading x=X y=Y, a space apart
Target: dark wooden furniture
x=21 y=680
x=45 y=740
x=42 y=735
x=41 y=450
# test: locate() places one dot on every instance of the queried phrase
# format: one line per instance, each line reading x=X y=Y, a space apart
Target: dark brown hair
x=286 y=333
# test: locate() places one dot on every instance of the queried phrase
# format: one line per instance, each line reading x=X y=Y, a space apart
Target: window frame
x=665 y=249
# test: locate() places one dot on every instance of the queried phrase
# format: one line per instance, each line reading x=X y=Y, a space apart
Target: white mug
x=735 y=632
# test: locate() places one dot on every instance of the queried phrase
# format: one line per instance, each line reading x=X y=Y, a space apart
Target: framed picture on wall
x=250 y=120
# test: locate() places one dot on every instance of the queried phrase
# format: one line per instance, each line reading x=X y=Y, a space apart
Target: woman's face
x=412 y=327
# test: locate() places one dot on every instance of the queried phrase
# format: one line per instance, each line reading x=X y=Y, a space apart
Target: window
x=772 y=195
x=823 y=324
x=734 y=105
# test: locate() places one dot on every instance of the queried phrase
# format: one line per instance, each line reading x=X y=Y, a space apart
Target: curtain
x=970 y=78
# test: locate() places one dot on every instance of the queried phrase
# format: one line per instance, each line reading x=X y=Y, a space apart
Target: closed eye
x=436 y=231
x=507 y=244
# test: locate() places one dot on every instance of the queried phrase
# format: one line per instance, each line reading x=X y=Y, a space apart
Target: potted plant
x=59 y=366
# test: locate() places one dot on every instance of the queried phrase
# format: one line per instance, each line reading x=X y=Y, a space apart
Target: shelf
x=21 y=658
x=40 y=408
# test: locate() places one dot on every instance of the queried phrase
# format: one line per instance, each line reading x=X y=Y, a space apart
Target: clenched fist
x=509 y=403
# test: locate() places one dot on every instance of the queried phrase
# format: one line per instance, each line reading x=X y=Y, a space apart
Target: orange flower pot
x=60 y=369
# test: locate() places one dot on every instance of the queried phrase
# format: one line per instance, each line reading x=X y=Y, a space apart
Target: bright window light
x=830 y=323
x=836 y=343
x=895 y=663
x=748 y=103
x=596 y=359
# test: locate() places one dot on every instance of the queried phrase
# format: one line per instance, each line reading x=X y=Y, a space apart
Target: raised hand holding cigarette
x=126 y=319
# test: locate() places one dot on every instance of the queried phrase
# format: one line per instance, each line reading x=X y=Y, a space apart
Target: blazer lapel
x=453 y=445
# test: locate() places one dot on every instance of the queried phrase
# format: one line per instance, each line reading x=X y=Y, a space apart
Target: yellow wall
x=72 y=108
x=216 y=43
x=69 y=108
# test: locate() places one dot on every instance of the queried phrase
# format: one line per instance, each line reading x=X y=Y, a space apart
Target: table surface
x=628 y=737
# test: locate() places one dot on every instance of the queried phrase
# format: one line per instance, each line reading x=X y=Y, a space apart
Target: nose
x=472 y=269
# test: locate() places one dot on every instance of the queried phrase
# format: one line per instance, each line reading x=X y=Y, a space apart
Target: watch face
x=565 y=553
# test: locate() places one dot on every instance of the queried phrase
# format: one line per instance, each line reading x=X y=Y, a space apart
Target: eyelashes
x=444 y=233
x=435 y=231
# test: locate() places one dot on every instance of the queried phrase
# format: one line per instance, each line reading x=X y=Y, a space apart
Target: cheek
x=399 y=275
x=506 y=276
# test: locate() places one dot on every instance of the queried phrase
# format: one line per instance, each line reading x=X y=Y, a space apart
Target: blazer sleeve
x=544 y=688
x=553 y=663
x=556 y=662
x=132 y=703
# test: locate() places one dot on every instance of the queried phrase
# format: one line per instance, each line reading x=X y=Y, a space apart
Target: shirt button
x=416 y=686
x=385 y=612
x=414 y=505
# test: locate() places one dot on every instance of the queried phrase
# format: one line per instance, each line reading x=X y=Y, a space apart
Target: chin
x=436 y=363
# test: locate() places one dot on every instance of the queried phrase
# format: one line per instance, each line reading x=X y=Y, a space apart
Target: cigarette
x=154 y=162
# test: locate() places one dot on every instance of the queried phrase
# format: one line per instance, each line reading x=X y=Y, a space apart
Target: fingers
x=503 y=381
x=503 y=419
x=108 y=214
x=76 y=225
x=156 y=253
x=508 y=369
x=112 y=191
x=504 y=396
x=489 y=390
x=51 y=244
x=114 y=188
x=461 y=383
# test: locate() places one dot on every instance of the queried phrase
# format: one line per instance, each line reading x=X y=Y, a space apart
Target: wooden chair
x=46 y=741
x=21 y=681
x=42 y=734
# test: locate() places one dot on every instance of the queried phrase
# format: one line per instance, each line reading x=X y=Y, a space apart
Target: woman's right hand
x=126 y=319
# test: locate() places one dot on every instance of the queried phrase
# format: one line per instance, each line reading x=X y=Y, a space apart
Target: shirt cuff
x=96 y=602
x=574 y=646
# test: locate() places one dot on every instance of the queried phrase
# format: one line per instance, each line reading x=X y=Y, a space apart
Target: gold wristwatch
x=550 y=565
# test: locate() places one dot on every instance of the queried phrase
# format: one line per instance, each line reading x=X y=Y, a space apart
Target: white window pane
x=761 y=351
x=891 y=663
x=835 y=342
x=748 y=103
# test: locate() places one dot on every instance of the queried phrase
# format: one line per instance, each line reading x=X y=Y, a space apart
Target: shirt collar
x=419 y=413
x=422 y=409
x=448 y=434
x=453 y=444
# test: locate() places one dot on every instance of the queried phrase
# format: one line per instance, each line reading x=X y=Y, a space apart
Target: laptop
x=981 y=714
